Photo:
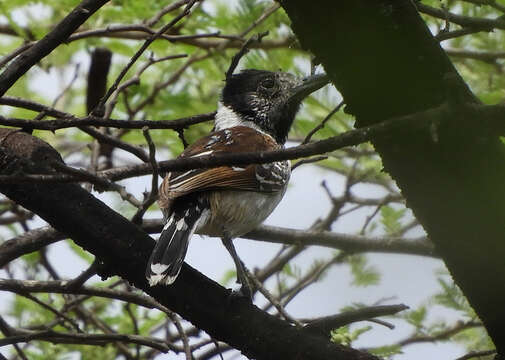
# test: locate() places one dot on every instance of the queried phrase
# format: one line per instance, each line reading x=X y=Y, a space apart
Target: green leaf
x=228 y=276
x=287 y=270
x=344 y=336
x=363 y=273
x=452 y=297
x=416 y=317
x=391 y=218
x=386 y=351
x=341 y=336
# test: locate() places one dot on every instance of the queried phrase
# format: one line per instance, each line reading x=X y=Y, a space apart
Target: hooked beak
x=308 y=86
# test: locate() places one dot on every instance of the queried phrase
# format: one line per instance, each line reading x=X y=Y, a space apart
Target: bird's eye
x=268 y=83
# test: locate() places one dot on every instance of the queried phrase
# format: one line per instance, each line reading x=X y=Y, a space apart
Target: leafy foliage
x=364 y=274
x=345 y=336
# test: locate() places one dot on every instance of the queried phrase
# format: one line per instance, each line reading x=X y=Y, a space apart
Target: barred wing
x=271 y=177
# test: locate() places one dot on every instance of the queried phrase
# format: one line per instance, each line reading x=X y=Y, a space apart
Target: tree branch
x=23 y=335
x=345 y=242
x=63 y=123
x=476 y=354
x=43 y=47
x=36 y=239
x=465 y=21
x=28 y=242
x=441 y=335
x=325 y=324
x=125 y=248
x=63 y=287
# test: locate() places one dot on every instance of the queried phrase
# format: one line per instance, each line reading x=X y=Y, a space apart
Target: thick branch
x=452 y=178
x=124 y=249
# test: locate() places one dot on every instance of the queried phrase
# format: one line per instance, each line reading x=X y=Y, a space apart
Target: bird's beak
x=308 y=86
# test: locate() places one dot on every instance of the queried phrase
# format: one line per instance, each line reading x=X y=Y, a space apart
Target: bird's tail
x=168 y=255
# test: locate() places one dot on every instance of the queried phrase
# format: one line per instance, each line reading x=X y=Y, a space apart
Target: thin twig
x=272 y=300
x=321 y=125
x=6 y=330
x=311 y=277
x=153 y=195
x=22 y=335
x=197 y=56
x=51 y=309
x=325 y=324
x=68 y=87
x=135 y=325
x=101 y=183
x=269 y=11
x=382 y=322
x=135 y=79
x=7 y=58
x=169 y=8
x=67 y=120
x=309 y=161
x=60 y=287
x=474 y=354
x=144 y=46
x=441 y=335
x=242 y=52
x=83 y=277
x=183 y=335
x=103 y=138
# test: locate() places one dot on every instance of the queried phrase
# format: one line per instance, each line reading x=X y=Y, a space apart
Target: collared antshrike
x=255 y=113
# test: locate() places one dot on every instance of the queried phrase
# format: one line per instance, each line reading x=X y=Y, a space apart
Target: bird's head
x=265 y=100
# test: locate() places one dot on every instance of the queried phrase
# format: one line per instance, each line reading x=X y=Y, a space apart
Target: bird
x=255 y=113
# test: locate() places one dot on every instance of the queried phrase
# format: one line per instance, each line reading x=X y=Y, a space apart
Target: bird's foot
x=244 y=293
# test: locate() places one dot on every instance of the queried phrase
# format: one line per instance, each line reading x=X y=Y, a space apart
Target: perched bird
x=255 y=113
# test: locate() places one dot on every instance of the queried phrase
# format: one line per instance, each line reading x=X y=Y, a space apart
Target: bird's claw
x=244 y=293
